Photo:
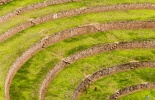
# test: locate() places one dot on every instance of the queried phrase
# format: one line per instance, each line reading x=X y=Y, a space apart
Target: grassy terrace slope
x=119 y=81
x=53 y=54
x=103 y=73
x=15 y=4
x=26 y=82
x=33 y=22
x=145 y=94
x=132 y=89
x=19 y=39
x=18 y=4
x=63 y=88
x=46 y=10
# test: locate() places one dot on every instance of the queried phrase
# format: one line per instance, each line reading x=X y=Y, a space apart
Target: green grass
x=14 y=47
x=141 y=95
x=37 y=13
x=15 y=4
x=18 y=45
x=109 y=85
x=27 y=80
x=44 y=60
x=65 y=83
x=18 y=4
x=52 y=9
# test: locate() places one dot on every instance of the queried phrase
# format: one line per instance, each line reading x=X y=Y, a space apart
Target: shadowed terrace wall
x=32 y=7
x=73 y=12
x=86 y=53
x=107 y=72
x=4 y=1
x=87 y=29
x=131 y=89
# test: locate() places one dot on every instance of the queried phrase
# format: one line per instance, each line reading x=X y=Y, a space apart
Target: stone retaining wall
x=4 y=1
x=32 y=7
x=87 y=29
x=131 y=89
x=89 y=52
x=69 y=13
x=109 y=71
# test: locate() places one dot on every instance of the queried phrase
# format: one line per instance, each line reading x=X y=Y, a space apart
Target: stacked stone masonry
x=89 y=52
x=31 y=7
x=69 y=13
x=131 y=89
x=109 y=71
x=87 y=29
x=4 y=1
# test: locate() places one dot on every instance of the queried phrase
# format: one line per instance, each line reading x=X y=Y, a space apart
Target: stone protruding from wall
x=86 y=53
x=69 y=13
x=132 y=89
x=109 y=71
x=47 y=41
x=32 y=7
x=4 y=1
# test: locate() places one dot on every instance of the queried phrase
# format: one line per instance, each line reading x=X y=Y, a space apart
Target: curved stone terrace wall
x=86 y=53
x=4 y=1
x=73 y=12
x=109 y=71
x=31 y=7
x=87 y=29
x=131 y=89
